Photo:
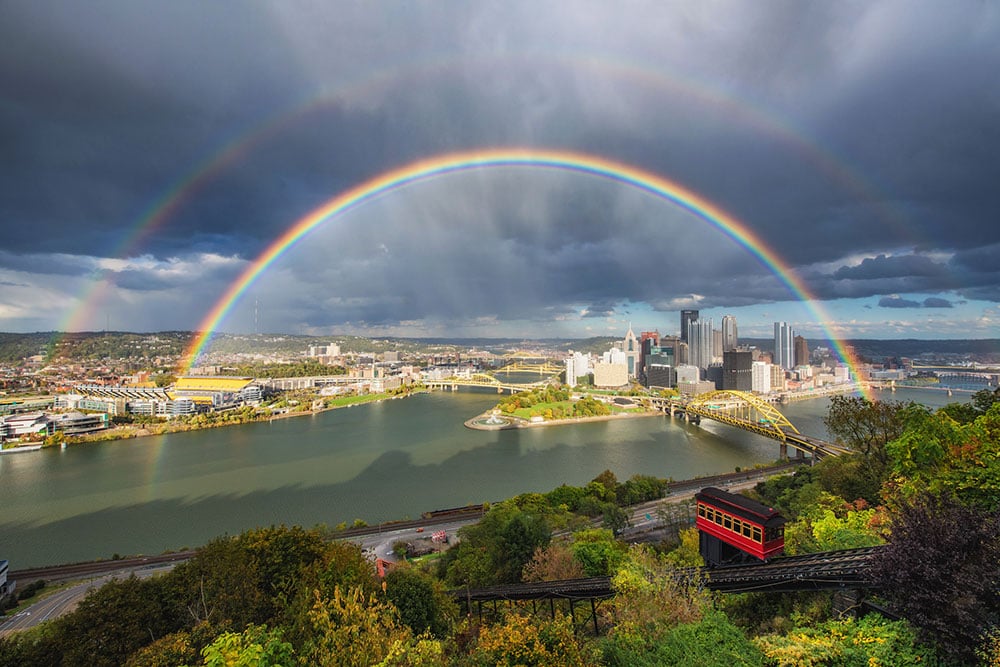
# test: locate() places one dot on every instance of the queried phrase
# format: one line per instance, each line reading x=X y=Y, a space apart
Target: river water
x=376 y=462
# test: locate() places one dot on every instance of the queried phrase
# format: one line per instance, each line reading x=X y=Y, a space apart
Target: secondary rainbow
x=440 y=165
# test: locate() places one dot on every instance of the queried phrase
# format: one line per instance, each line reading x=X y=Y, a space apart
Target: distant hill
x=140 y=347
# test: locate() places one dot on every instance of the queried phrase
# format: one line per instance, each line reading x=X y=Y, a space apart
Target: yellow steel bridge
x=751 y=413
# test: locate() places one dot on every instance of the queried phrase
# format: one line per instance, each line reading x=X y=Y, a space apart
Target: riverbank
x=480 y=422
x=131 y=431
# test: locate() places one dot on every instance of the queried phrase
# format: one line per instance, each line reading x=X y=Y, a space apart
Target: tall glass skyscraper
x=687 y=317
x=729 y=339
x=700 y=343
x=784 y=350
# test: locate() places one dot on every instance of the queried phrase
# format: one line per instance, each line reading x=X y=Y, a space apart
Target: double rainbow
x=449 y=163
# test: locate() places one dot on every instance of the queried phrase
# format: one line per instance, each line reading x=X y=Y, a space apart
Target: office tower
x=801 y=351
x=700 y=343
x=631 y=348
x=661 y=357
x=687 y=317
x=784 y=353
x=729 y=338
x=737 y=370
x=647 y=341
x=760 y=377
x=716 y=344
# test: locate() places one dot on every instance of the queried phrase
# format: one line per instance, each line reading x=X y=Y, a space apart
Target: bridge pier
x=783 y=451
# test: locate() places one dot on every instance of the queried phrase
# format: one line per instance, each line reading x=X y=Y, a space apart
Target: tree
x=712 y=641
x=352 y=629
x=554 y=562
x=872 y=640
x=423 y=604
x=598 y=551
x=495 y=550
x=256 y=646
x=523 y=641
x=938 y=454
x=112 y=622
x=940 y=571
x=867 y=427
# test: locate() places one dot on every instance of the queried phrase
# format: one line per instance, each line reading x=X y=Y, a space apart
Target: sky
x=151 y=151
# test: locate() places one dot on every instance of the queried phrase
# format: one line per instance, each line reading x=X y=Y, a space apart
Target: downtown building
x=700 y=343
x=729 y=337
x=737 y=370
x=784 y=351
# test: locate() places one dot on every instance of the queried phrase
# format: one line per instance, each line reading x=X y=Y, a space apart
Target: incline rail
x=829 y=570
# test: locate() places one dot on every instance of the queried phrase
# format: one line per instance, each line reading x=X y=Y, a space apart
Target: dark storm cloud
x=891 y=267
x=936 y=302
x=859 y=141
x=897 y=302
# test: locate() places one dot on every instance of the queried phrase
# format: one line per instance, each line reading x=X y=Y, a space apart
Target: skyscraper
x=737 y=370
x=631 y=349
x=801 y=351
x=729 y=338
x=687 y=316
x=784 y=353
x=700 y=343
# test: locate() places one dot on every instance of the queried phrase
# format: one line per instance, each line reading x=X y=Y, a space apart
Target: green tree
x=112 y=622
x=867 y=427
x=598 y=551
x=423 y=604
x=256 y=646
x=497 y=548
x=872 y=640
x=712 y=641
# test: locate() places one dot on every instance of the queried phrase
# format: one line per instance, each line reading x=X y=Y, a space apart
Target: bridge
x=483 y=380
x=751 y=413
x=545 y=369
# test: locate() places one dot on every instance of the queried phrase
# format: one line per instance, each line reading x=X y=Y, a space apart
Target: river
x=376 y=462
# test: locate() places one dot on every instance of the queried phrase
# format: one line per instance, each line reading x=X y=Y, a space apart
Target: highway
x=62 y=602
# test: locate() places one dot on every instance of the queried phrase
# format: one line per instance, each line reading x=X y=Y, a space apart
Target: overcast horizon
x=152 y=151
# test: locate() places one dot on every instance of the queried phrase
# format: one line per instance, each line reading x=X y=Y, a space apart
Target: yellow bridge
x=751 y=413
x=546 y=370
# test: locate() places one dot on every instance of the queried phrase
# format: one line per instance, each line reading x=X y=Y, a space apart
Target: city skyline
x=157 y=151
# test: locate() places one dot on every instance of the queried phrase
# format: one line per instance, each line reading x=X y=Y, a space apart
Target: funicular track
x=830 y=570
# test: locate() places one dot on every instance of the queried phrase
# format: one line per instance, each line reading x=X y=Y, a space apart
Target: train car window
x=728 y=523
x=737 y=525
x=756 y=534
x=746 y=530
x=718 y=518
x=701 y=510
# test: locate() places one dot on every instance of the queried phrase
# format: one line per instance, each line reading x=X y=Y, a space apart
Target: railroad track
x=95 y=568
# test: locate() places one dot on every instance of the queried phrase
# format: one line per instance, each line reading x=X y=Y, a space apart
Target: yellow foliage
x=351 y=629
x=522 y=641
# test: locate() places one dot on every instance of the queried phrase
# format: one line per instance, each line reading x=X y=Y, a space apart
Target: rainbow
x=440 y=165
x=242 y=143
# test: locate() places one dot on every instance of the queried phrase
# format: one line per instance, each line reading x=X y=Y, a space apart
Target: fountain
x=494 y=421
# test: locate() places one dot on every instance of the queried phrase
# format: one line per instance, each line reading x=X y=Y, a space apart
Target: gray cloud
x=858 y=137
x=897 y=302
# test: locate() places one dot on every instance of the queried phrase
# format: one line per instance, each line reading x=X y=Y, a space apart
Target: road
x=62 y=602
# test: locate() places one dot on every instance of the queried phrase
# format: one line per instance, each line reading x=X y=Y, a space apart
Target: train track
x=95 y=568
